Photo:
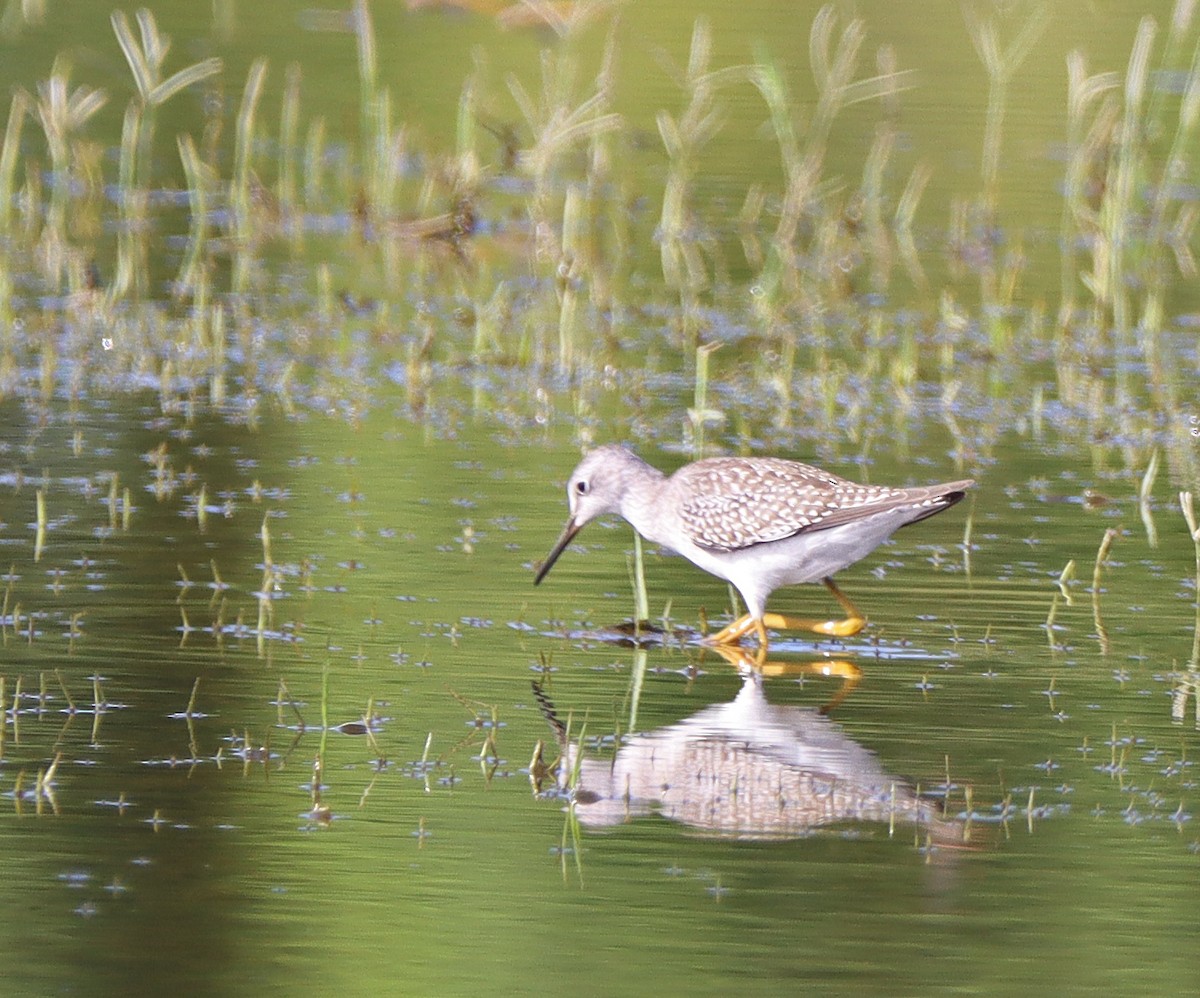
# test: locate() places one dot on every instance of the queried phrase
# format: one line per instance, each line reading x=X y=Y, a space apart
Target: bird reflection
x=746 y=769
x=759 y=665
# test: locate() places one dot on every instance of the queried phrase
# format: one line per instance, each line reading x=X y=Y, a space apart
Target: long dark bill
x=560 y=545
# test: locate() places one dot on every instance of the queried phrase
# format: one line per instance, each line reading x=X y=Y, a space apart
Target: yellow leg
x=854 y=622
x=731 y=634
x=849 y=673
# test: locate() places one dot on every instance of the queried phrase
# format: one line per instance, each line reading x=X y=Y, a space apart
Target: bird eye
x=582 y=487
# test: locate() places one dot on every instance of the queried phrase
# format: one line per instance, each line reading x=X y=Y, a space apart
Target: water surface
x=269 y=635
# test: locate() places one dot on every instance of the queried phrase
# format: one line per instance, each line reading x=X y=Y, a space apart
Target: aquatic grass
x=700 y=414
x=1087 y=146
x=314 y=164
x=265 y=538
x=240 y=185
x=10 y=153
x=184 y=584
x=1160 y=232
x=425 y=766
x=319 y=811
x=485 y=718
x=467 y=164
x=384 y=161
x=557 y=125
x=815 y=243
x=836 y=239
x=569 y=769
x=325 y=671
x=18 y=16
x=1189 y=515
x=1102 y=553
x=201 y=180
x=965 y=544
x=1119 y=205
x=185 y=626
x=834 y=62
x=1179 y=39
x=1145 y=494
x=62 y=112
x=201 y=501
x=15 y=711
x=1001 y=63
x=368 y=67
x=44 y=786
x=637 y=680
x=538 y=770
x=217 y=346
x=368 y=722
x=637 y=571
x=75 y=631
x=572 y=834
x=266 y=590
x=5 y=617
x=876 y=237
x=39 y=543
x=565 y=20
x=1121 y=193
x=680 y=234
x=287 y=183
x=129 y=269
x=146 y=54
x=493 y=320
x=71 y=709
x=568 y=277
x=1066 y=576
x=283 y=697
x=190 y=710
x=560 y=120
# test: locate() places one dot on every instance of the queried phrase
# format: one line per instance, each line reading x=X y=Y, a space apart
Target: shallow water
x=402 y=577
x=282 y=706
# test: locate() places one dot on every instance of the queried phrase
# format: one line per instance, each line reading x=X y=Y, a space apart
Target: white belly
x=807 y=557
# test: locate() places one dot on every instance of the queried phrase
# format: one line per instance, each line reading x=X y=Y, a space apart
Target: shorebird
x=757 y=522
x=747 y=769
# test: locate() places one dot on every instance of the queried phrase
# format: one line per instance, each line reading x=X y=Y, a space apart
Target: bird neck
x=640 y=500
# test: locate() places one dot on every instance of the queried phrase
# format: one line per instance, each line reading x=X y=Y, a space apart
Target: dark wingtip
x=958 y=492
x=942 y=501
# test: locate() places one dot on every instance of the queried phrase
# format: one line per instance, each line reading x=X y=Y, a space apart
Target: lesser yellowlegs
x=758 y=522
x=746 y=769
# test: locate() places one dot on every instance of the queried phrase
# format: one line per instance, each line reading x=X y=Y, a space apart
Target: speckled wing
x=731 y=503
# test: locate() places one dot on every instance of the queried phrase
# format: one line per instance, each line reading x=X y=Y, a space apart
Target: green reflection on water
x=1081 y=785
x=168 y=850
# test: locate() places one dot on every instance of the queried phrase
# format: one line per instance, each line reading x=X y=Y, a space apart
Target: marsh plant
x=538 y=237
